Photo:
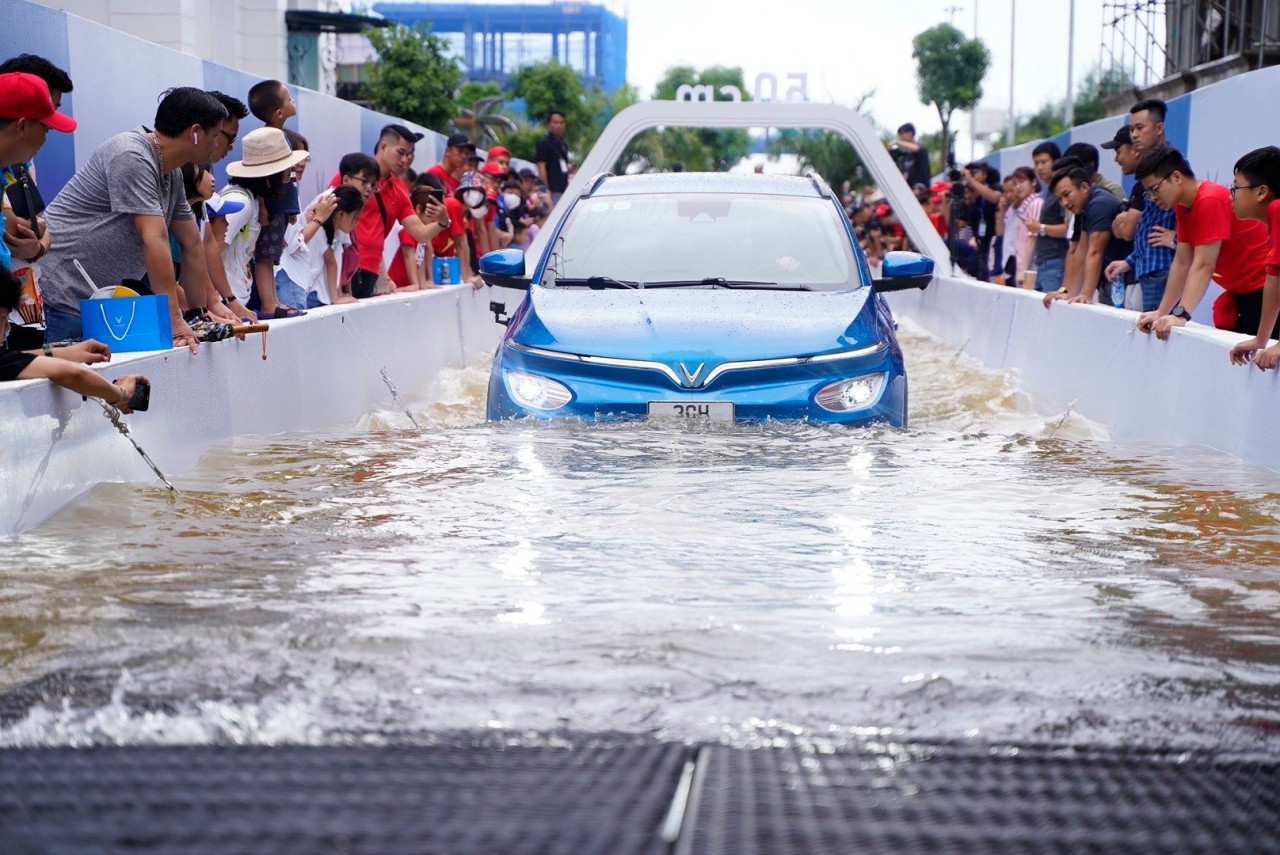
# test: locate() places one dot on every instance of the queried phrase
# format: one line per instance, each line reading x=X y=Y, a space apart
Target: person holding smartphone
x=63 y=366
x=410 y=269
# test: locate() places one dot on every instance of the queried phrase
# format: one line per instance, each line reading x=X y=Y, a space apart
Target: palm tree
x=480 y=121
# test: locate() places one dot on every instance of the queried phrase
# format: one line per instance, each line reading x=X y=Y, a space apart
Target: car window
x=690 y=237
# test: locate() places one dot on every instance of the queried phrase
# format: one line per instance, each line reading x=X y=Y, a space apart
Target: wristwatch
x=1179 y=312
x=1041 y=232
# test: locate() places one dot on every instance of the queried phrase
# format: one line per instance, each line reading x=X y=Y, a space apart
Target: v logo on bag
x=119 y=319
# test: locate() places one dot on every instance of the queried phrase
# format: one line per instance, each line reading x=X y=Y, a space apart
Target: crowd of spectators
x=1062 y=228
x=143 y=212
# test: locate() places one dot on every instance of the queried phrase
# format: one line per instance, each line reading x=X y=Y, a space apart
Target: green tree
x=547 y=86
x=1097 y=86
x=1090 y=105
x=827 y=153
x=474 y=90
x=413 y=78
x=949 y=72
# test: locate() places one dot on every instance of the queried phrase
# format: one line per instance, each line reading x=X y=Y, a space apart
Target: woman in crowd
x=267 y=166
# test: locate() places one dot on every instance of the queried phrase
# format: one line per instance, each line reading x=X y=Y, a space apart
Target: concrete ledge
x=317 y=376
x=1180 y=392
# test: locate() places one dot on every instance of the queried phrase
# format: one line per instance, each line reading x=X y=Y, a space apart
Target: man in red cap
x=26 y=115
x=501 y=229
x=501 y=156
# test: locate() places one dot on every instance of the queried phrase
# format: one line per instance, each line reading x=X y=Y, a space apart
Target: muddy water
x=986 y=573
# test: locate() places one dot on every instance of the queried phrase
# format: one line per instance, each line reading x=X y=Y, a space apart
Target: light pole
x=973 y=114
x=1068 y=113
x=1013 y=40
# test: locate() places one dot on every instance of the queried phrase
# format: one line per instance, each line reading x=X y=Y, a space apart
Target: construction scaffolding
x=1176 y=45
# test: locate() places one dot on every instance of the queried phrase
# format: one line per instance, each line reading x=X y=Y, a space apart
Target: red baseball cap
x=493 y=168
x=25 y=96
x=498 y=151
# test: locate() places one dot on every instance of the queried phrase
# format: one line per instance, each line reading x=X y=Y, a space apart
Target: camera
x=141 y=398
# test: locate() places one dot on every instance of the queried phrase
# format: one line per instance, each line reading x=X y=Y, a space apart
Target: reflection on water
x=987 y=572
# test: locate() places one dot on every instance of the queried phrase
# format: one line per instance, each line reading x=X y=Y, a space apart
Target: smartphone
x=141 y=398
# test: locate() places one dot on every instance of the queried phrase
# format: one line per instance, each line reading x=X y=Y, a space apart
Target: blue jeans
x=1049 y=274
x=60 y=326
x=1153 y=289
x=288 y=292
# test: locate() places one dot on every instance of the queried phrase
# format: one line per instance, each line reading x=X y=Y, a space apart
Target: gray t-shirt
x=91 y=219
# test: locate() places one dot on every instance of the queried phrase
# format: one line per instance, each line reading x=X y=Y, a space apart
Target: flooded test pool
x=986 y=573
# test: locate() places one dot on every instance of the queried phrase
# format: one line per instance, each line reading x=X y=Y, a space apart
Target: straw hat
x=266 y=152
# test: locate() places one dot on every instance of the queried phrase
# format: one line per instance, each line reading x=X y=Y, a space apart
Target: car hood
x=720 y=325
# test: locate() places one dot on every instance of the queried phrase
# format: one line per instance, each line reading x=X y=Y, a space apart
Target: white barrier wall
x=1179 y=392
x=316 y=376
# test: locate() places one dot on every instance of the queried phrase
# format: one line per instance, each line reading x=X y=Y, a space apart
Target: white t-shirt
x=304 y=262
x=240 y=240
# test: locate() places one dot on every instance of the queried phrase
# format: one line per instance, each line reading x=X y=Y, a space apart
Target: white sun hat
x=266 y=152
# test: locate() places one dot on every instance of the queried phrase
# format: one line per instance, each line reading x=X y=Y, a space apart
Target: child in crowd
x=410 y=270
x=271 y=102
x=474 y=198
x=454 y=241
x=314 y=248
x=360 y=171
x=63 y=367
x=266 y=168
x=1255 y=195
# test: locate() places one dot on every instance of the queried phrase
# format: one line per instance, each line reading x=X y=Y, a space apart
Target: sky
x=851 y=47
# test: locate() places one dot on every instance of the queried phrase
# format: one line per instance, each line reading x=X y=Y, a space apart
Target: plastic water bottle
x=1117 y=292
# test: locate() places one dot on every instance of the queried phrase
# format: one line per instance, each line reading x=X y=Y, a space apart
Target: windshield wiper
x=721 y=282
x=597 y=283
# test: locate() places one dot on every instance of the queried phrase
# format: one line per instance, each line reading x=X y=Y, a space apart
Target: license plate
x=716 y=411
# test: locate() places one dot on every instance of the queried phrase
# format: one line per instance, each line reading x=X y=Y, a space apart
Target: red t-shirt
x=1241 y=266
x=377 y=219
x=1273 y=224
x=450 y=183
x=397 y=272
x=445 y=244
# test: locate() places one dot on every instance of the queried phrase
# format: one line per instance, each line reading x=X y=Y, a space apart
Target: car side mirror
x=902 y=270
x=504 y=268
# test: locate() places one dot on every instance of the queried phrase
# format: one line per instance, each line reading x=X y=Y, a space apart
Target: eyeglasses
x=1150 y=192
x=231 y=138
x=1233 y=188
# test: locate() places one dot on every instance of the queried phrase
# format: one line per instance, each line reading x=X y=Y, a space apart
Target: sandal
x=281 y=313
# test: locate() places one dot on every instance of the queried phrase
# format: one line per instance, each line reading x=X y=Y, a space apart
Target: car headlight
x=852 y=394
x=539 y=393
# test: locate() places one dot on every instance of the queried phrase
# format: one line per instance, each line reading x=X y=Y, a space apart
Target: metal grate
x=593 y=797
x=955 y=798
x=614 y=794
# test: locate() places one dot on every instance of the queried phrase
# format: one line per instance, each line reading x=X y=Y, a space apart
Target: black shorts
x=1249 y=315
x=362 y=284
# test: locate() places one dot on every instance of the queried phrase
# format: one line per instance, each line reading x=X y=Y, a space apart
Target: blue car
x=701 y=296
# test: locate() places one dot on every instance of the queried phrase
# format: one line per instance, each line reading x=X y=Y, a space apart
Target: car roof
x=705 y=182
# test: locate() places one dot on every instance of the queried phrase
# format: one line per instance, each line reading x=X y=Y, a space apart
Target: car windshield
x=705 y=240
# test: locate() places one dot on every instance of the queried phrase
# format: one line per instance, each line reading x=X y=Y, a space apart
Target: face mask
x=512 y=199
x=472 y=198
x=479 y=213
